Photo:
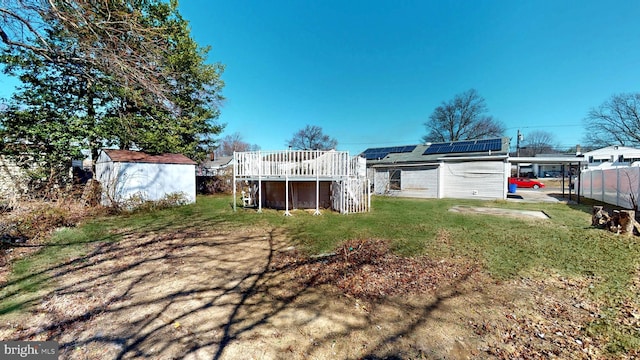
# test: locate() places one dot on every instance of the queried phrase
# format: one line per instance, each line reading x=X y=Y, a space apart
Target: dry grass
x=246 y=294
x=224 y=289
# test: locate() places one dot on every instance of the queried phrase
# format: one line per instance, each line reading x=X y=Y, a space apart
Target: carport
x=578 y=161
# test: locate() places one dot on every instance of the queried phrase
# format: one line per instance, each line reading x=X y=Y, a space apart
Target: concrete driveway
x=542 y=195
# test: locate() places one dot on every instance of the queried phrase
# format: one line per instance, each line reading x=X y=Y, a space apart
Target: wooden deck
x=297 y=165
x=348 y=193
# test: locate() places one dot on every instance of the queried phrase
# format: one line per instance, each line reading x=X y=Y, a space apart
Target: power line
x=542 y=126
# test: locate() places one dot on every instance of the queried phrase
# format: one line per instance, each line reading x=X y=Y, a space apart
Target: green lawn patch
x=507 y=247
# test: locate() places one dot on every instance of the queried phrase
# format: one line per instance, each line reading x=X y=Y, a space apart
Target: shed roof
x=141 y=157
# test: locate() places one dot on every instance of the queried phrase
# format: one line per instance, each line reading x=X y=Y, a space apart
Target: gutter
x=441 y=160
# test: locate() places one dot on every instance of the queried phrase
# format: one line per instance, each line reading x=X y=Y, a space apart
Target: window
x=394 y=179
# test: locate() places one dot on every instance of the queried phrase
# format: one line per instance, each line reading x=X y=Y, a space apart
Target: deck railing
x=296 y=164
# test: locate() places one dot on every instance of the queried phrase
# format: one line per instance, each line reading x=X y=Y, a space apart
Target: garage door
x=420 y=182
x=477 y=179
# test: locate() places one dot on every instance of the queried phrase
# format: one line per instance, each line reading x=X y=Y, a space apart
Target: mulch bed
x=367 y=269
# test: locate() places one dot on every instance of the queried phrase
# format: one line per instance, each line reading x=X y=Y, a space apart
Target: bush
x=139 y=203
x=208 y=185
x=32 y=221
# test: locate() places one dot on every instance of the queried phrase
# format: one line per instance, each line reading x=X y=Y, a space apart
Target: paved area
x=542 y=195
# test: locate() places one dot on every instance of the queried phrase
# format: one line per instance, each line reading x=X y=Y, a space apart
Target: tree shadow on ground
x=167 y=293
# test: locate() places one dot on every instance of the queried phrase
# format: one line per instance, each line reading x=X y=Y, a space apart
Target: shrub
x=139 y=203
x=208 y=185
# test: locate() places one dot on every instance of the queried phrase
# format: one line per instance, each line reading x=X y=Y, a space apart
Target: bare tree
x=614 y=122
x=112 y=37
x=538 y=142
x=312 y=138
x=461 y=118
x=234 y=142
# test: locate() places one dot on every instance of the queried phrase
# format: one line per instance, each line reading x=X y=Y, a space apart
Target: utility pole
x=518 y=139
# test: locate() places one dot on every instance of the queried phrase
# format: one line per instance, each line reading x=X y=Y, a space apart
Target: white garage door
x=477 y=179
x=420 y=182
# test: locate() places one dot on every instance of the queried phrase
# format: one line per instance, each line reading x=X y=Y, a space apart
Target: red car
x=525 y=182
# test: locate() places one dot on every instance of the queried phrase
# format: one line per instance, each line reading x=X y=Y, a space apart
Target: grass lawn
x=506 y=247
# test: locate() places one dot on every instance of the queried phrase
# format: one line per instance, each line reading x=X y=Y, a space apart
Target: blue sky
x=371 y=72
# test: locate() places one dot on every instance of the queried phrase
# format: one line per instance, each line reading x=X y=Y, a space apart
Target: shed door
x=420 y=182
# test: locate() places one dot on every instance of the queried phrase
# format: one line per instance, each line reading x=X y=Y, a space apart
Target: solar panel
x=464 y=146
x=379 y=153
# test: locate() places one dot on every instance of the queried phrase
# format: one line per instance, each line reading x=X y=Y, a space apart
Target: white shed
x=124 y=174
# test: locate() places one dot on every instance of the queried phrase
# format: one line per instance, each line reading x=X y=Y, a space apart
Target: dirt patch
x=247 y=294
x=367 y=269
x=520 y=214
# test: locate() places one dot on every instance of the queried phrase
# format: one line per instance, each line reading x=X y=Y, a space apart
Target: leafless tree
x=614 y=122
x=461 y=118
x=234 y=142
x=312 y=138
x=538 y=142
x=112 y=37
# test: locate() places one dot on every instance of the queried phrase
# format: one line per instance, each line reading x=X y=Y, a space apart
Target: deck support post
x=317 y=212
x=259 y=182
x=368 y=195
x=235 y=169
x=286 y=196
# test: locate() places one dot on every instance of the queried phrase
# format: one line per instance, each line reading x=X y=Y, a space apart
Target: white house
x=124 y=174
x=216 y=166
x=463 y=169
x=612 y=155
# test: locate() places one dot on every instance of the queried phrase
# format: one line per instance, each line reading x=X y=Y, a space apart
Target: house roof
x=613 y=150
x=141 y=157
x=435 y=152
x=219 y=162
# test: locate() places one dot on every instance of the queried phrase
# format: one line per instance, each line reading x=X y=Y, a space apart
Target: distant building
x=215 y=166
x=612 y=156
